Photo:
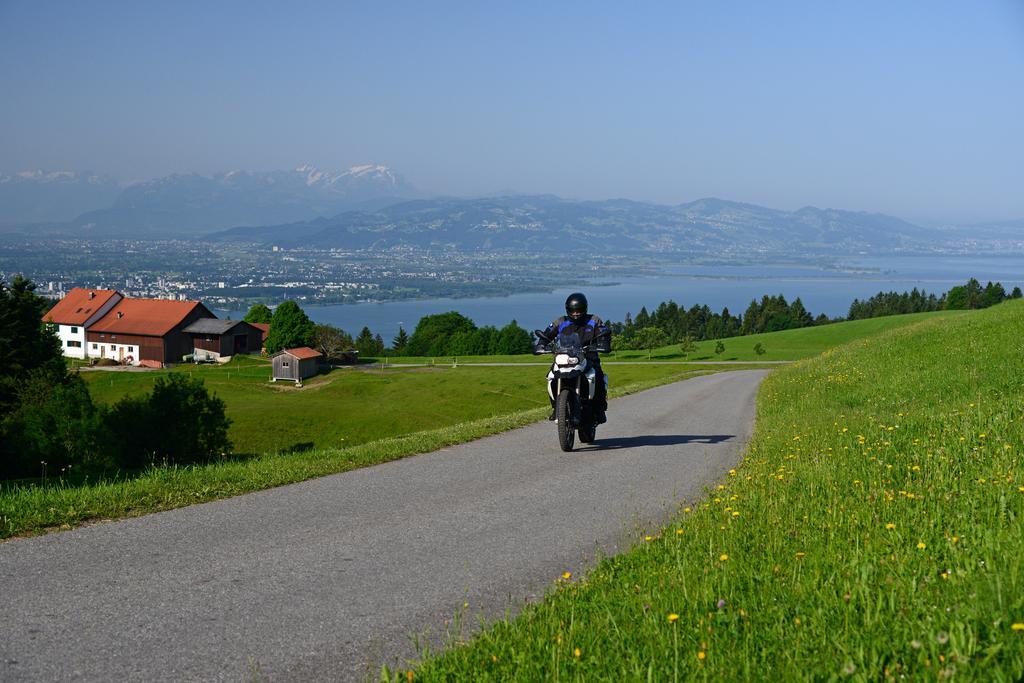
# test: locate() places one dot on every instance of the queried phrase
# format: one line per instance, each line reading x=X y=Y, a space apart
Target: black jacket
x=590 y=328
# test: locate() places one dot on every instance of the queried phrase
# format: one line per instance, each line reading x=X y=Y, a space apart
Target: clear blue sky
x=909 y=108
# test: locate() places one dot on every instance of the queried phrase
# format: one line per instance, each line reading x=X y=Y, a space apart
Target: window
x=131 y=349
x=95 y=346
x=113 y=347
x=74 y=344
x=284 y=364
x=74 y=330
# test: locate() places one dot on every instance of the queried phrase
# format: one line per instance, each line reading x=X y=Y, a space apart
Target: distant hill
x=561 y=226
x=53 y=196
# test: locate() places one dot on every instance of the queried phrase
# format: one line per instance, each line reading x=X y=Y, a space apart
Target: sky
x=911 y=108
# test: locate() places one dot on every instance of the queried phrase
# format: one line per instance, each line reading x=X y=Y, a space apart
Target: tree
x=434 y=332
x=366 y=345
x=686 y=345
x=759 y=349
x=513 y=339
x=719 y=348
x=1016 y=293
x=289 y=327
x=399 y=343
x=650 y=338
x=332 y=342
x=26 y=345
x=259 y=313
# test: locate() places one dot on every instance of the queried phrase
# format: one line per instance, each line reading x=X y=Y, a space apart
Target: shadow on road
x=658 y=440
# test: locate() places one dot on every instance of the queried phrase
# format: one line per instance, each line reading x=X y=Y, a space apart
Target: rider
x=592 y=330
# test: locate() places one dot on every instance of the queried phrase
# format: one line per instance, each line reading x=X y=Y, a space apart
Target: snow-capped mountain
x=44 y=196
x=183 y=204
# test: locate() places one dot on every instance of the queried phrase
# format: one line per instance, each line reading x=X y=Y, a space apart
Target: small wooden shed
x=296 y=364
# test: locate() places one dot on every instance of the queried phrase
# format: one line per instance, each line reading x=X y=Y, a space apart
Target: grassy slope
x=873 y=531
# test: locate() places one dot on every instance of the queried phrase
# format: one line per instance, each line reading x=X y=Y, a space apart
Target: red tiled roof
x=151 y=317
x=262 y=327
x=303 y=353
x=78 y=306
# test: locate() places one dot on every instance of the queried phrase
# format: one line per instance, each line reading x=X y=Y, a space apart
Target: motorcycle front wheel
x=588 y=433
x=563 y=412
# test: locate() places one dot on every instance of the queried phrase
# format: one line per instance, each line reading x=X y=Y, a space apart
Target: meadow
x=873 y=532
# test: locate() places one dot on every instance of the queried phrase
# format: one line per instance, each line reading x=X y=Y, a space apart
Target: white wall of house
x=72 y=340
x=72 y=337
x=115 y=351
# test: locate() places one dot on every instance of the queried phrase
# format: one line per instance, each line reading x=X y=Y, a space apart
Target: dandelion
x=648 y=538
x=566 y=575
x=673 y=618
x=850 y=668
x=577 y=653
x=723 y=557
x=801 y=554
x=921 y=546
x=735 y=514
x=916 y=644
x=1018 y=627
x=890 y=525
x=942 y=637
x=701 y=655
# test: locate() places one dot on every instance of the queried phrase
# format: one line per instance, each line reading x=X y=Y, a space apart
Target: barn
x=216 y=339
x=145 y=331
x=296 y=364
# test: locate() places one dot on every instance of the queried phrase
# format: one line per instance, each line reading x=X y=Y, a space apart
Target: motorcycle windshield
x=568 y=342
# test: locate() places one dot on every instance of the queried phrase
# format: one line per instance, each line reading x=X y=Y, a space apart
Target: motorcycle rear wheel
x=563 y=412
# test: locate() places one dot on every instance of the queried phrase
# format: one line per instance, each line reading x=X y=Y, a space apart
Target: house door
x=120 y=354
x=103 y=350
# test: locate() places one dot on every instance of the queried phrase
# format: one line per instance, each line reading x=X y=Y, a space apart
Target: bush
x=180 y=423
x=53 y=429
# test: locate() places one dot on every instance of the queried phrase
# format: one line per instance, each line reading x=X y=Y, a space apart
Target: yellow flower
x=577 y=652
x=921 y=546
x=735 y=514
x=1018 y=627
x=679 y=532
x=801 y=554
x=701 y=655
x=890 y=525
x=673 y=617
x=686 y=509
x=723 y=557
x=566 y=575
x=648 y=538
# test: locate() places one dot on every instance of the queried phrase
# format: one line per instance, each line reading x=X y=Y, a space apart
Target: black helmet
x=576 y=303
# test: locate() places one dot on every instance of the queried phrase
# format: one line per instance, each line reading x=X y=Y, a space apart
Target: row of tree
x=50 y=425
x=443 y=334
x=963 y=297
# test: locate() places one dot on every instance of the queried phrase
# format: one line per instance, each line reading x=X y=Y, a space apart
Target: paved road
x=327 y=579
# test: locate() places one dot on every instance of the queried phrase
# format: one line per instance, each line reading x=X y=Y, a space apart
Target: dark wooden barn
x=215 y=339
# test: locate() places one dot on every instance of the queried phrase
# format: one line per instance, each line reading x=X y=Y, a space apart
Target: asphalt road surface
x=330 y=578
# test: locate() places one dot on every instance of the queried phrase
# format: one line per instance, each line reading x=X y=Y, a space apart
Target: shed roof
x=213 y=326
x=79 y=305
x=301 y=352
x=149 y=317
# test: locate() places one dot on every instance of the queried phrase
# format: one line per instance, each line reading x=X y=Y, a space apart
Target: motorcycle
x=572 y=383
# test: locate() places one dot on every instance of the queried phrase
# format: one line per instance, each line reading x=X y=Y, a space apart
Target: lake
x=822 y=291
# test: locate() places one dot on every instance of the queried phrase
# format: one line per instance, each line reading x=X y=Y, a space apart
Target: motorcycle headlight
x=566 y=359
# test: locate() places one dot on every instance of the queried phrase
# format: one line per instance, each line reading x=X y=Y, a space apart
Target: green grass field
x=874 y=531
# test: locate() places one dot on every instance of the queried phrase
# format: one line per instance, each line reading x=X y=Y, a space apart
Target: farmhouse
x=296 y=364
x=215 y=339
x=75 y=313
x=145 y=331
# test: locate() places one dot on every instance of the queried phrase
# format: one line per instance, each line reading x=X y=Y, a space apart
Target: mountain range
x=192 y=204
x=371 y=206
x=562 y=227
